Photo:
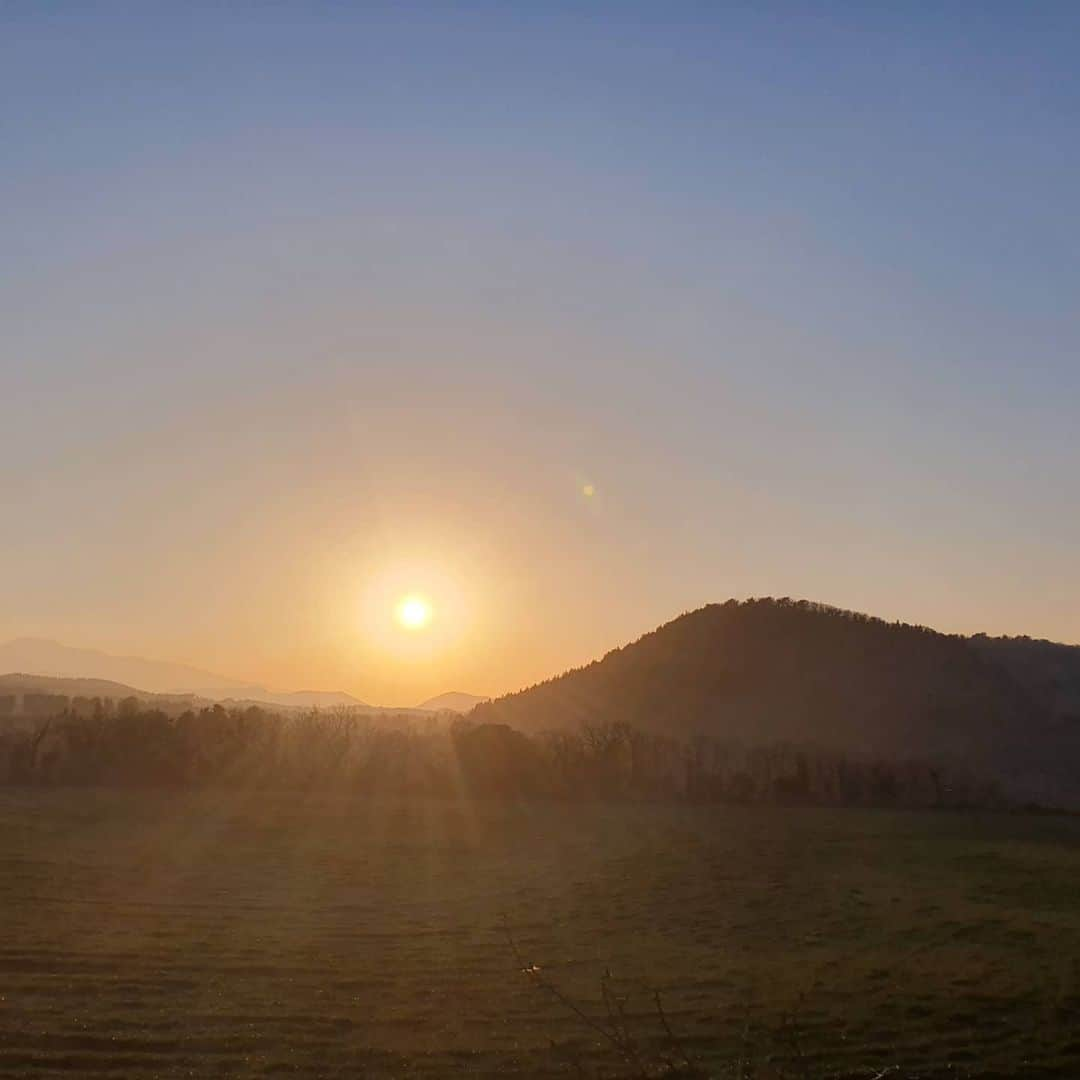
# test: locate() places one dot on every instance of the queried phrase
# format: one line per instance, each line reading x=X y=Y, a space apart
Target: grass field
x=203 y=935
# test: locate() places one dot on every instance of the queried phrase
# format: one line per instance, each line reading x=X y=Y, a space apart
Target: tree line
x=130 y=745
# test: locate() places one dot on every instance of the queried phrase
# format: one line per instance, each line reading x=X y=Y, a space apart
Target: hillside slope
x=780 y=670
x=1048 y=671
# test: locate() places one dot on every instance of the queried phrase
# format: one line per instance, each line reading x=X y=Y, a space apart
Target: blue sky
x=296 y=293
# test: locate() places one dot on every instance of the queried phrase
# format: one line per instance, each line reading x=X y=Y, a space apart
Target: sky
x=566 y=317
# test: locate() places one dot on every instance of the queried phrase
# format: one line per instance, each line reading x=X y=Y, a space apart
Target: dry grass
x=213 y=934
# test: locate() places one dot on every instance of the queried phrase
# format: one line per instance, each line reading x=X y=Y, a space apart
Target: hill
x=454 y=701
x=16 y=683
x=298 y=699
x=779 y=670
x=30 y=696
x=36 y=696
x=38 y=656
x=1048 y=671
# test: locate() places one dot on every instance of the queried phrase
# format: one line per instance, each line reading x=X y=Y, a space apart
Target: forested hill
x=1048 y=671
x=767 y=670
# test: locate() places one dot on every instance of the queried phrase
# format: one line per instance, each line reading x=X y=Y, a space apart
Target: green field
x=255 y=935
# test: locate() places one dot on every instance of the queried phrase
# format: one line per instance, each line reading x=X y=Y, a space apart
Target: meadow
x=151 y=934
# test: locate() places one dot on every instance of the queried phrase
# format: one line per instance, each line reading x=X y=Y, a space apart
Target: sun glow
x=413 y=612
x=411 y=609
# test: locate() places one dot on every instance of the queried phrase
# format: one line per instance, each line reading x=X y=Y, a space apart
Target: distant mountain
x=17 y=683
x=313 y=699
x=455 y=701
x=781 y=670
x=26 y=698
x=37 y=656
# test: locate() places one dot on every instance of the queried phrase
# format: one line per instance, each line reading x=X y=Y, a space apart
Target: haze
x=563 y=323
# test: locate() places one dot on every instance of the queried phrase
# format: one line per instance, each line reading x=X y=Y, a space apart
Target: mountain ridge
x=134 y=676
x=45 y=657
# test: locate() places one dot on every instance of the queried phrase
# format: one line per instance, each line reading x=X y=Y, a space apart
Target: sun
x=413 y=612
